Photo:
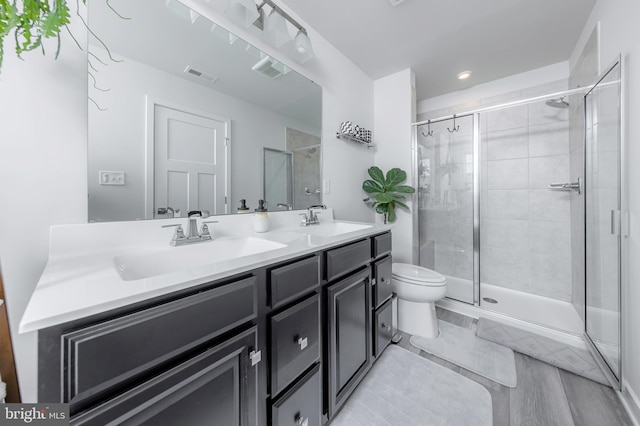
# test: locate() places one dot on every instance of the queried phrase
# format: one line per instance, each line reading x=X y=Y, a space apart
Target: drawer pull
x=302 y=342
x=302 y=421
x=385 y=327
x=255 y=357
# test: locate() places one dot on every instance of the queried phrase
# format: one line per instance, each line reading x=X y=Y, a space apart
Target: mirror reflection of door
x=190 y=162
x=278 y=188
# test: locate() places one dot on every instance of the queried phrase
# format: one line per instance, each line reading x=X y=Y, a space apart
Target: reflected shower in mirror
x=179 y=119
x=292 y=177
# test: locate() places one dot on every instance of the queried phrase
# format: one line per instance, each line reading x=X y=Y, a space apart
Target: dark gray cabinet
x=381 y=284
x=101 y=357
x=193 y=356
x=301 y=404
x=295 y=342
x=215 y=387
x=349 y=335
x=383 y=329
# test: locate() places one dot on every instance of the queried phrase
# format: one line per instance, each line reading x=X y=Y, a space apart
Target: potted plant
x=386 y=192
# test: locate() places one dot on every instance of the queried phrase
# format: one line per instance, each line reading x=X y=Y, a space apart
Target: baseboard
x=631 y=403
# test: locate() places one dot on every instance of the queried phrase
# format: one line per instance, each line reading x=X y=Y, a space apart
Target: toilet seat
x=417 y=275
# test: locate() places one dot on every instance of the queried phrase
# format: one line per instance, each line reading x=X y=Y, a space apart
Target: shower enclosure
x=524 y=220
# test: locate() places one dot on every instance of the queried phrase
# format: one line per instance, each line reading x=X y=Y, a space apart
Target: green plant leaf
x=405 y=189
x=377 y=175
x=401 y=204
x=391 y=217
x=394 y=177
x=382 y=208
x=384 y=197
x=57 y=18
x=371 y=187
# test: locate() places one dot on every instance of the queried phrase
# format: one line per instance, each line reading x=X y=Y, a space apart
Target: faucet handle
x=178 y=234
x=204 y=229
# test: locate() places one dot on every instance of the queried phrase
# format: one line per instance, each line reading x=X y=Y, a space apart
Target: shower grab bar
x=568 y=186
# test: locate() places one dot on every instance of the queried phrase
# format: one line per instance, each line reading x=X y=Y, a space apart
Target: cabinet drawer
x=100 y=357
x=301 y=405
x=218 y=386
x=294 y=280
x=381 y=244
x=348 y=258
x=382 y=289
x=295 y=342
x=384 y=330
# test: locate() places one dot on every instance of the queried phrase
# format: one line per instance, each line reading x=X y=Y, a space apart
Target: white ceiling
x=438 y=39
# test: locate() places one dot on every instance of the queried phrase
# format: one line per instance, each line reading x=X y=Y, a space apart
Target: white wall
x=347 y=94
x=43 y=125
x=43 y=156
x=620 y=33
x=394 y=100
x=117 y=135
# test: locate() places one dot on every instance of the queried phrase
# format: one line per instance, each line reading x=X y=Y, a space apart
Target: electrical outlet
x=326 y=186
x=111 y=178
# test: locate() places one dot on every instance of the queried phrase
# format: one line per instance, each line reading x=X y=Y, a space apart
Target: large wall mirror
x=183 y=115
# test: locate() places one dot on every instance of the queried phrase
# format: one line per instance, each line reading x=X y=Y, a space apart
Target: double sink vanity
x=274 y=328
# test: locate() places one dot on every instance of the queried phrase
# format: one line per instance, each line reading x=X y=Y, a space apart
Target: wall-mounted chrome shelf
x=351 y=138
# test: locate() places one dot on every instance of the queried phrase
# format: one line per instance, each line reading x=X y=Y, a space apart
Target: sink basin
x=173 y=259
x=333 y=229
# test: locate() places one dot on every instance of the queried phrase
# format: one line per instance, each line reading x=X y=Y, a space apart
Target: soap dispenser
x=243 y=207
x=261 y=218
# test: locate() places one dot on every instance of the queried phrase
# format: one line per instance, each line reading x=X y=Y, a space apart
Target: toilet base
x=418 y=318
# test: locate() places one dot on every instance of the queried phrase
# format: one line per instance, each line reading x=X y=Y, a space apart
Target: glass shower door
x=603 y=216
x=445 y=202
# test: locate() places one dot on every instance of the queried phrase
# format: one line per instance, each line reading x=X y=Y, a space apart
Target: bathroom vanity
x=281 y=337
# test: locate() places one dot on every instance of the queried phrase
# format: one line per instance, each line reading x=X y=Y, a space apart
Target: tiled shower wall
x=583 y=74
x=525 y=228
x=307 y=183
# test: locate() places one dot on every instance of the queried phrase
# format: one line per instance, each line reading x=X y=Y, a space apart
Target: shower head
x=310 y=152
x=557 y=103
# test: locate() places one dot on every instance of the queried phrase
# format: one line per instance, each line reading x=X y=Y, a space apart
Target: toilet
x=417 y=289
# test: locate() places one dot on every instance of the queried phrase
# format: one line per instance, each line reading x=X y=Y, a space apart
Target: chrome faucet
x=311 y=217
x=192 y=236
x=286 y=206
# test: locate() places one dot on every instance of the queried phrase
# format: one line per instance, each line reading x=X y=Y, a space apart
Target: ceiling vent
x=394 y=3
x=201 y=75
x=270 y=67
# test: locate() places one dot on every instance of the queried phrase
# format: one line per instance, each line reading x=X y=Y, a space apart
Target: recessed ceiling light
x=464 y=75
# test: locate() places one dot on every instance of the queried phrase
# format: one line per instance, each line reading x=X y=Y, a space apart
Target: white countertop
x=80 y=278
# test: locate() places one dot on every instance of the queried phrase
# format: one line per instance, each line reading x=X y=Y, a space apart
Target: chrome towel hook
x=429 y=131
x=455 y=128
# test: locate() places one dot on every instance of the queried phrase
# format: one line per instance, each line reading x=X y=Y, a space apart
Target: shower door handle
x=615 y=222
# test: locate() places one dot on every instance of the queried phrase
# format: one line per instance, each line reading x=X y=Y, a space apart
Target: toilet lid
x=417 y=275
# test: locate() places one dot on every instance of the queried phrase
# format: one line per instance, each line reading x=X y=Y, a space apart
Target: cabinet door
x=349 y=335
x=218 y=386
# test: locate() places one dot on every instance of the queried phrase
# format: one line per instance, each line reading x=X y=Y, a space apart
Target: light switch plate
x=111 y=178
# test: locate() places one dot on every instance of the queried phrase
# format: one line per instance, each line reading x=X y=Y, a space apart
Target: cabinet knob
x=385 y=327
x=302 y=421
x=383 y=280
x=302 y=342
